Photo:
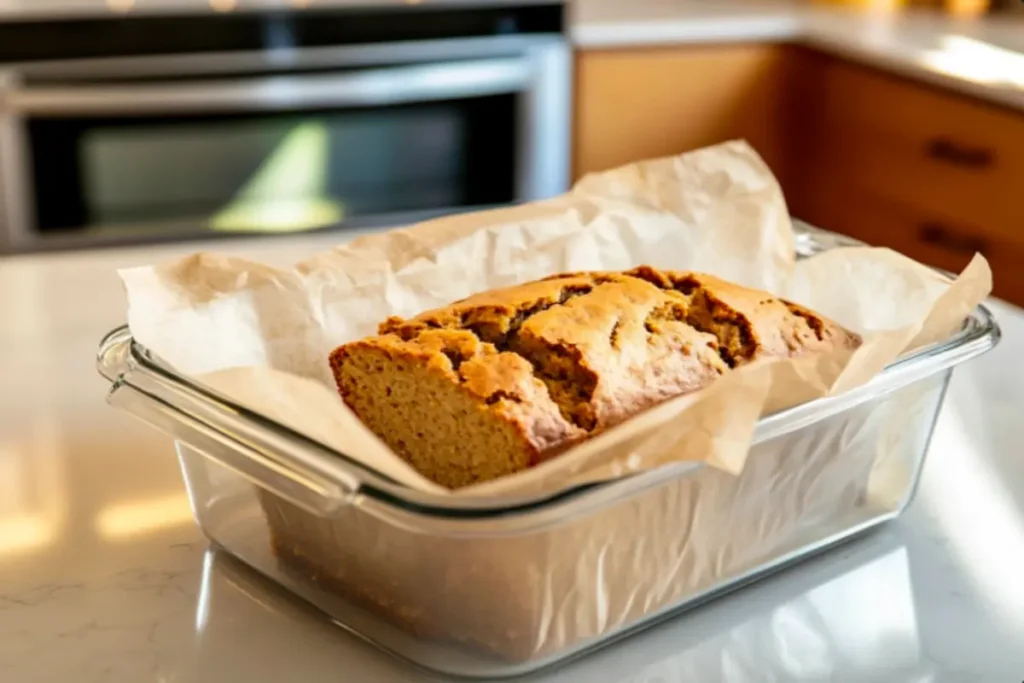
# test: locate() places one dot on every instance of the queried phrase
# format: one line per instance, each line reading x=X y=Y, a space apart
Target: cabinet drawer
x=937 y=152
x=840 y=205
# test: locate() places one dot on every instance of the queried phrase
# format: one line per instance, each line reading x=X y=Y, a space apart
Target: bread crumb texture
x=497 y=382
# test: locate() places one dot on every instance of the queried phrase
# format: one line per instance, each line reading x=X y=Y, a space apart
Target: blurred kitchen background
x=132 y=121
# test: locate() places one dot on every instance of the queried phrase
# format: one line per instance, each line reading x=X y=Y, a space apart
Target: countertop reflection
x=103 y=576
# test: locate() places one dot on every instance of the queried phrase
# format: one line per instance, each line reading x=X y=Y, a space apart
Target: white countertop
x=981 y=57
x=104 y=578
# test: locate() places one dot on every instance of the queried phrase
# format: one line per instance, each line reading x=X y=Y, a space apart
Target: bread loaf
x=502 y=380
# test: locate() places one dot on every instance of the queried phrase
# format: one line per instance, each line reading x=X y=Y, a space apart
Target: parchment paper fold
x=261 y=336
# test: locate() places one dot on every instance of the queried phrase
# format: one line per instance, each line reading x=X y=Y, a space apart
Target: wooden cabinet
x=901 y=164
x=888 y=160
x=642 y=103
x=926 y=235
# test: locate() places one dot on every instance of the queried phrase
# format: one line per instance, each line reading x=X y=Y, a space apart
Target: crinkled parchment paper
x=261 y=336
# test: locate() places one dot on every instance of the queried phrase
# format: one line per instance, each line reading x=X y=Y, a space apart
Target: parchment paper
x=261 y=336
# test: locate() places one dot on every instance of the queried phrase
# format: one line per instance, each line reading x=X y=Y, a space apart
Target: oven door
x=127 y=161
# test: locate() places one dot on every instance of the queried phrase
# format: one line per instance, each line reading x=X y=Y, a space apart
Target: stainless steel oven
x=294 y=134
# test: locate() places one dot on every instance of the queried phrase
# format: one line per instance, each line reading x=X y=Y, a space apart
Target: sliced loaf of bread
x=502 y=380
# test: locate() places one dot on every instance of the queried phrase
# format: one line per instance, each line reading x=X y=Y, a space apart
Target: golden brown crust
x=558 y=359
x=501 y=383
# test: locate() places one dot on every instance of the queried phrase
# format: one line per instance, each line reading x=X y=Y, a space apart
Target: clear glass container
x=501 y=587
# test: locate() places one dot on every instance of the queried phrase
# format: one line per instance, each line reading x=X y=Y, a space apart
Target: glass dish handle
x=311 y=493
x=113 y=358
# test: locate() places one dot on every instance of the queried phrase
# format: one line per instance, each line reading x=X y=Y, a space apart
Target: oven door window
x=271 y=172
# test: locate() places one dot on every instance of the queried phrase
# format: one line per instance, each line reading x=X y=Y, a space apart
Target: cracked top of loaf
x=503 y=379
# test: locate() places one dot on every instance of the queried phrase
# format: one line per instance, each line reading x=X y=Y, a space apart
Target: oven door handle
x=373 y=87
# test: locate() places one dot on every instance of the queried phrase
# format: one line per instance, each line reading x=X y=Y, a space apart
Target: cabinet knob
x=941 y=236
x=966 y=156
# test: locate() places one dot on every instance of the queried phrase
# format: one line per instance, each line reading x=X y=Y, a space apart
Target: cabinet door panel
x=645 y=103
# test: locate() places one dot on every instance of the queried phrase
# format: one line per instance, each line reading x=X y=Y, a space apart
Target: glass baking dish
x=501 y=587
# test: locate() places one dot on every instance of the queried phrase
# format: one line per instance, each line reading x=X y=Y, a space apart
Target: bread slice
x=502 y=380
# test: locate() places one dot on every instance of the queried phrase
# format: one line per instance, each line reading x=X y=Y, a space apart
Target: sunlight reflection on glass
x=288 y=191
x=203 y=598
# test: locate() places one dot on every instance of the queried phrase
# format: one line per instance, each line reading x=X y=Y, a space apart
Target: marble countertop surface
x=105 y=579
x=981 y=57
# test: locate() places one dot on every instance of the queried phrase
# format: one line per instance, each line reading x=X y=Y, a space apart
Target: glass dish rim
x=980 y=327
